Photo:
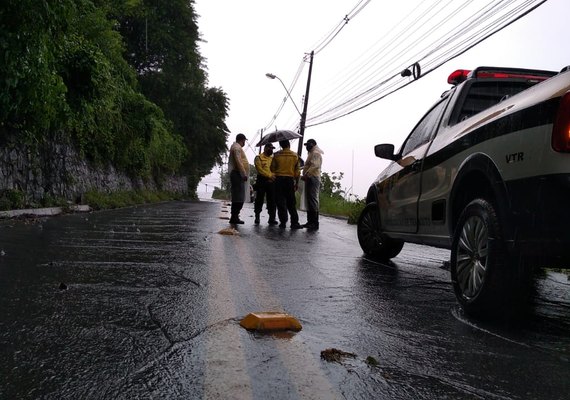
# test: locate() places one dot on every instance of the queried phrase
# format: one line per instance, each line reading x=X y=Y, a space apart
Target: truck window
x=423 y=131
x=484 y=94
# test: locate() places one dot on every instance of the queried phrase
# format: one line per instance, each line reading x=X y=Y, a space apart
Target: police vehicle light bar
x=461 y=75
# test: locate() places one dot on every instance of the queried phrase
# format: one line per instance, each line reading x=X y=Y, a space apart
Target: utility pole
x=260 y=138
x=305 y=105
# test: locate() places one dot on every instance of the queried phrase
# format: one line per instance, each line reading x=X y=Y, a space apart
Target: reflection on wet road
x=145 y=302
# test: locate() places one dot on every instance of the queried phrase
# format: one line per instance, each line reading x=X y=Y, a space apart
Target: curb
x=43 y=212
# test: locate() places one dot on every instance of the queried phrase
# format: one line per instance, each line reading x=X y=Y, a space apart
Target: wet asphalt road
x=145 y=303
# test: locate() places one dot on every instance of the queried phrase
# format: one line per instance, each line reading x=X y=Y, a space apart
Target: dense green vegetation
x=122 y=80
x=332 y=199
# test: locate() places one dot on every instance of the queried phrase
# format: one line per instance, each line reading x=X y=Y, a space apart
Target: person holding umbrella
x=265 y=184
x=312 y=178
x=277 y=136
x=238 y=168
x=285 y=166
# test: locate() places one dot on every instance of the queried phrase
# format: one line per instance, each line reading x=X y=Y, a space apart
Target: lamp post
x=273 y=76
x=303 y=114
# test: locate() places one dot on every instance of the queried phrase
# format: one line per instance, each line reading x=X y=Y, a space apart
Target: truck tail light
x=561 y=129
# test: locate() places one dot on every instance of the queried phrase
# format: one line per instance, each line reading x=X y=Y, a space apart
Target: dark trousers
x=285 y=199
x=312 y=188
x=238 y=194
x=265 y=188
x=235 y=210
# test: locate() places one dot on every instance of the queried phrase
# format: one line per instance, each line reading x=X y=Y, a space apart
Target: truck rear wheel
x=370 y=237
x=479 y=261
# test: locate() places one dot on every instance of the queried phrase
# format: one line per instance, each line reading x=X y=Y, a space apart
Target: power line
x=492 y=18
x=319 y=46
x=352 y=76
x=391 y=65
x=359 y=97
x=336 y=30
x=360 y=76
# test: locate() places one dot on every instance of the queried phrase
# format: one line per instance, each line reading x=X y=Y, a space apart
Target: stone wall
x=58 y=171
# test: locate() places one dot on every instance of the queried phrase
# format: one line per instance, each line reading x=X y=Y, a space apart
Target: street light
x=272 y=76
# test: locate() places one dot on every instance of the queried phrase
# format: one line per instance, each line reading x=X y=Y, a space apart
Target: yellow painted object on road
x=270 y=321
x=229 y=231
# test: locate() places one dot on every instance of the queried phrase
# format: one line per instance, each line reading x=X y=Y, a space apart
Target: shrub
x=355 y=210
x=11 y=199
x=220 y=194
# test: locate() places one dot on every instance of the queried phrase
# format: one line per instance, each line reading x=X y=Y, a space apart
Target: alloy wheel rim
x=369 y=231
x=472 y=252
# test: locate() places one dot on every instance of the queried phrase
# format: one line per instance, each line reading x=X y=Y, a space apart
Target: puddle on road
x=547 y=316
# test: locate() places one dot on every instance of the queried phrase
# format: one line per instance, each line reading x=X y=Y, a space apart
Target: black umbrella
x=276 y=136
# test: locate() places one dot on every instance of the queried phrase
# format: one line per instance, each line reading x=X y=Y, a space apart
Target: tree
x=32 y=94
x=161 y=44
x=331 y=186
x=121 y=79
x=64 y=76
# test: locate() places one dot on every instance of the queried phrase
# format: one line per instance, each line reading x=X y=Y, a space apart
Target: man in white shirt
x=312 y=178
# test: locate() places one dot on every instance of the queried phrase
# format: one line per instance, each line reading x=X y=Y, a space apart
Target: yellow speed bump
x=270 y=321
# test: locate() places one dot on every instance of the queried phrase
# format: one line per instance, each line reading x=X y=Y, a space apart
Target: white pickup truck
x=485 y=173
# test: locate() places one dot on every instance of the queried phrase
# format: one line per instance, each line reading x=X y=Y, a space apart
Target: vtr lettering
x=515 y=157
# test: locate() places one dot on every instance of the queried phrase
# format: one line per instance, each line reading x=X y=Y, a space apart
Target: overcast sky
x=244 y=40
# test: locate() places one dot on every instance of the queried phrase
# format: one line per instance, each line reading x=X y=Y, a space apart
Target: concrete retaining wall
x=58 y=171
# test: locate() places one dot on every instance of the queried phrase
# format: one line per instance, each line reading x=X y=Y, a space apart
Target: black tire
x=370 y=237
x=479 y=261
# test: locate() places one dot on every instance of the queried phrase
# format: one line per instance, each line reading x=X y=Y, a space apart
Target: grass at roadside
x=341 y=207
x=101 y=201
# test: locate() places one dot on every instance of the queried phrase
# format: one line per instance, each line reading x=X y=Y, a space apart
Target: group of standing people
x=278 y=177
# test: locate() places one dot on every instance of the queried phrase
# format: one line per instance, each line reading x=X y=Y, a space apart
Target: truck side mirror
x=385 y=151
